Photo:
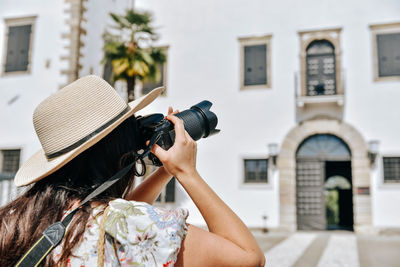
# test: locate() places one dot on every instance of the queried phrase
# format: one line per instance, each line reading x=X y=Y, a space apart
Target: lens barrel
x=199 y=121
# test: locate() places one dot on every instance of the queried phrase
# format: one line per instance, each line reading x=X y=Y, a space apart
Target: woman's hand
x=150 y=188
x=180 y=159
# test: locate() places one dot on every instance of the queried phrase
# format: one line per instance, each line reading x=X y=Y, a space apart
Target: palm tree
x=129 y=49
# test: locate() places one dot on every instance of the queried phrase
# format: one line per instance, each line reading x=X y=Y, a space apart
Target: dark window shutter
x=388 y=54
x=148 y=85
x=170 y=191
x=10 y=161
x=255 y=65
x=18 y=48
x=108 y=71
x=256 y=170
x=391 y=169
x=321 y=68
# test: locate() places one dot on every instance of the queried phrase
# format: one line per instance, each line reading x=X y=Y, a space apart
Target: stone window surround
x=165 y=49
x=20 y=21
x=257 y=185
x=306 y=37
x=377 y=29
x=255 y=40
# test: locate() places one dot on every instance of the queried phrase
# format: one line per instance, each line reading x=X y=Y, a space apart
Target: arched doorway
x=323 y=184
x=360 y=170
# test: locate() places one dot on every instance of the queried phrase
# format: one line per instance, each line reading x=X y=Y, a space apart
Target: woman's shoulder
x=123 y=213
x=138 y=225
x=138 y=208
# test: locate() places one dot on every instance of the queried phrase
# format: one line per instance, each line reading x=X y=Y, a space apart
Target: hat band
x=86 y=138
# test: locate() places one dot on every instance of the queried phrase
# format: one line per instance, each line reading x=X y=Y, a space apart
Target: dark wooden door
x=310 y=199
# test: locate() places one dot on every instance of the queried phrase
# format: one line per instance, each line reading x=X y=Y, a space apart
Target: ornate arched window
x=321 y=68
x=323 y=146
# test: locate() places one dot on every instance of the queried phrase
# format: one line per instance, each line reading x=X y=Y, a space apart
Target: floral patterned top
x=137 y=234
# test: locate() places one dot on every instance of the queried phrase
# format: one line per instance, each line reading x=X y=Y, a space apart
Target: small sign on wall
x=363 y=190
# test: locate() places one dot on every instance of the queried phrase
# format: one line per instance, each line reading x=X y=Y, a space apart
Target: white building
x=306 y=92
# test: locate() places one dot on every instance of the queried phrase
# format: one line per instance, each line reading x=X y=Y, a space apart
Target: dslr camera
x=199 y=122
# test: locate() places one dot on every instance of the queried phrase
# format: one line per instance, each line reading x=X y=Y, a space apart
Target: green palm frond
x=136 y=18
x=120 y=20
x=128 y=46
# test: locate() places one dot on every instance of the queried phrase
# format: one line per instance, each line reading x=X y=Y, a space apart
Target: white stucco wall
x=16 y=118
x=203 y=63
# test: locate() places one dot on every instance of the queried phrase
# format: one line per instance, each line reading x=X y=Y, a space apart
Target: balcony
x=319 y=98
x=320 y=102
x=301 y=101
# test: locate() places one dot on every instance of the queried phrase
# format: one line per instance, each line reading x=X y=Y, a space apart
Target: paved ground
x=330 y=249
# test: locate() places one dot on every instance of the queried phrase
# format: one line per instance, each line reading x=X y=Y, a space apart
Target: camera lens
x=199 y=121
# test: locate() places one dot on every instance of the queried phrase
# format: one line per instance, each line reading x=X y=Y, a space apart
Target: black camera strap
x=53 y=235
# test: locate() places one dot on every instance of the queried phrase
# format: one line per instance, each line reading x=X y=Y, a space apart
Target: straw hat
x=74 y=119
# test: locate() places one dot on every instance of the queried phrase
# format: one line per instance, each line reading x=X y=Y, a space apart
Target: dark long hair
x=24 y=219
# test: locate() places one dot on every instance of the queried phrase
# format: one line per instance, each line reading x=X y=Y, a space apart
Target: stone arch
x=360 y=170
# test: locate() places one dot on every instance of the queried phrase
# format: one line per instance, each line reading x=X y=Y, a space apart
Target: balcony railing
x=303 y=99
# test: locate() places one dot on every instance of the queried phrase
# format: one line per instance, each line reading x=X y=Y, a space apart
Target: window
x=161 y=79
x=9 y=164
x=386 y=47
x=320 y=71
x=107 y=72
x=18 y=45
x=256 y=170
x=255 y=65
x=320 y=62
x=391 y=169
x=10 y=160
x=168 y=194
x=255 y=62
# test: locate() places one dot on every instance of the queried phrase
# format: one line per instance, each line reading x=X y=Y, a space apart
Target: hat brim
x=38 y=166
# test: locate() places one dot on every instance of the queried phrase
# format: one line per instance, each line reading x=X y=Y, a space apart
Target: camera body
x=198 y=121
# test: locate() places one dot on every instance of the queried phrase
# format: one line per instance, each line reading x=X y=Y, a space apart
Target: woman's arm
x=229 y=242
x=150 y=188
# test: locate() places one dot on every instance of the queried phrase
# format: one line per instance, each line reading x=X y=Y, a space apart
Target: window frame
x=308 y=75
x=12 y=22
x=251 y=41
x=306 y=38
x=2 y=159
x=244 y=182
x=377 y=29
x=165 y=66
x=384 y=181
x=12 y=189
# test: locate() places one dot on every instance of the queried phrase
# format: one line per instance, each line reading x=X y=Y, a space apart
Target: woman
x=87 y=134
